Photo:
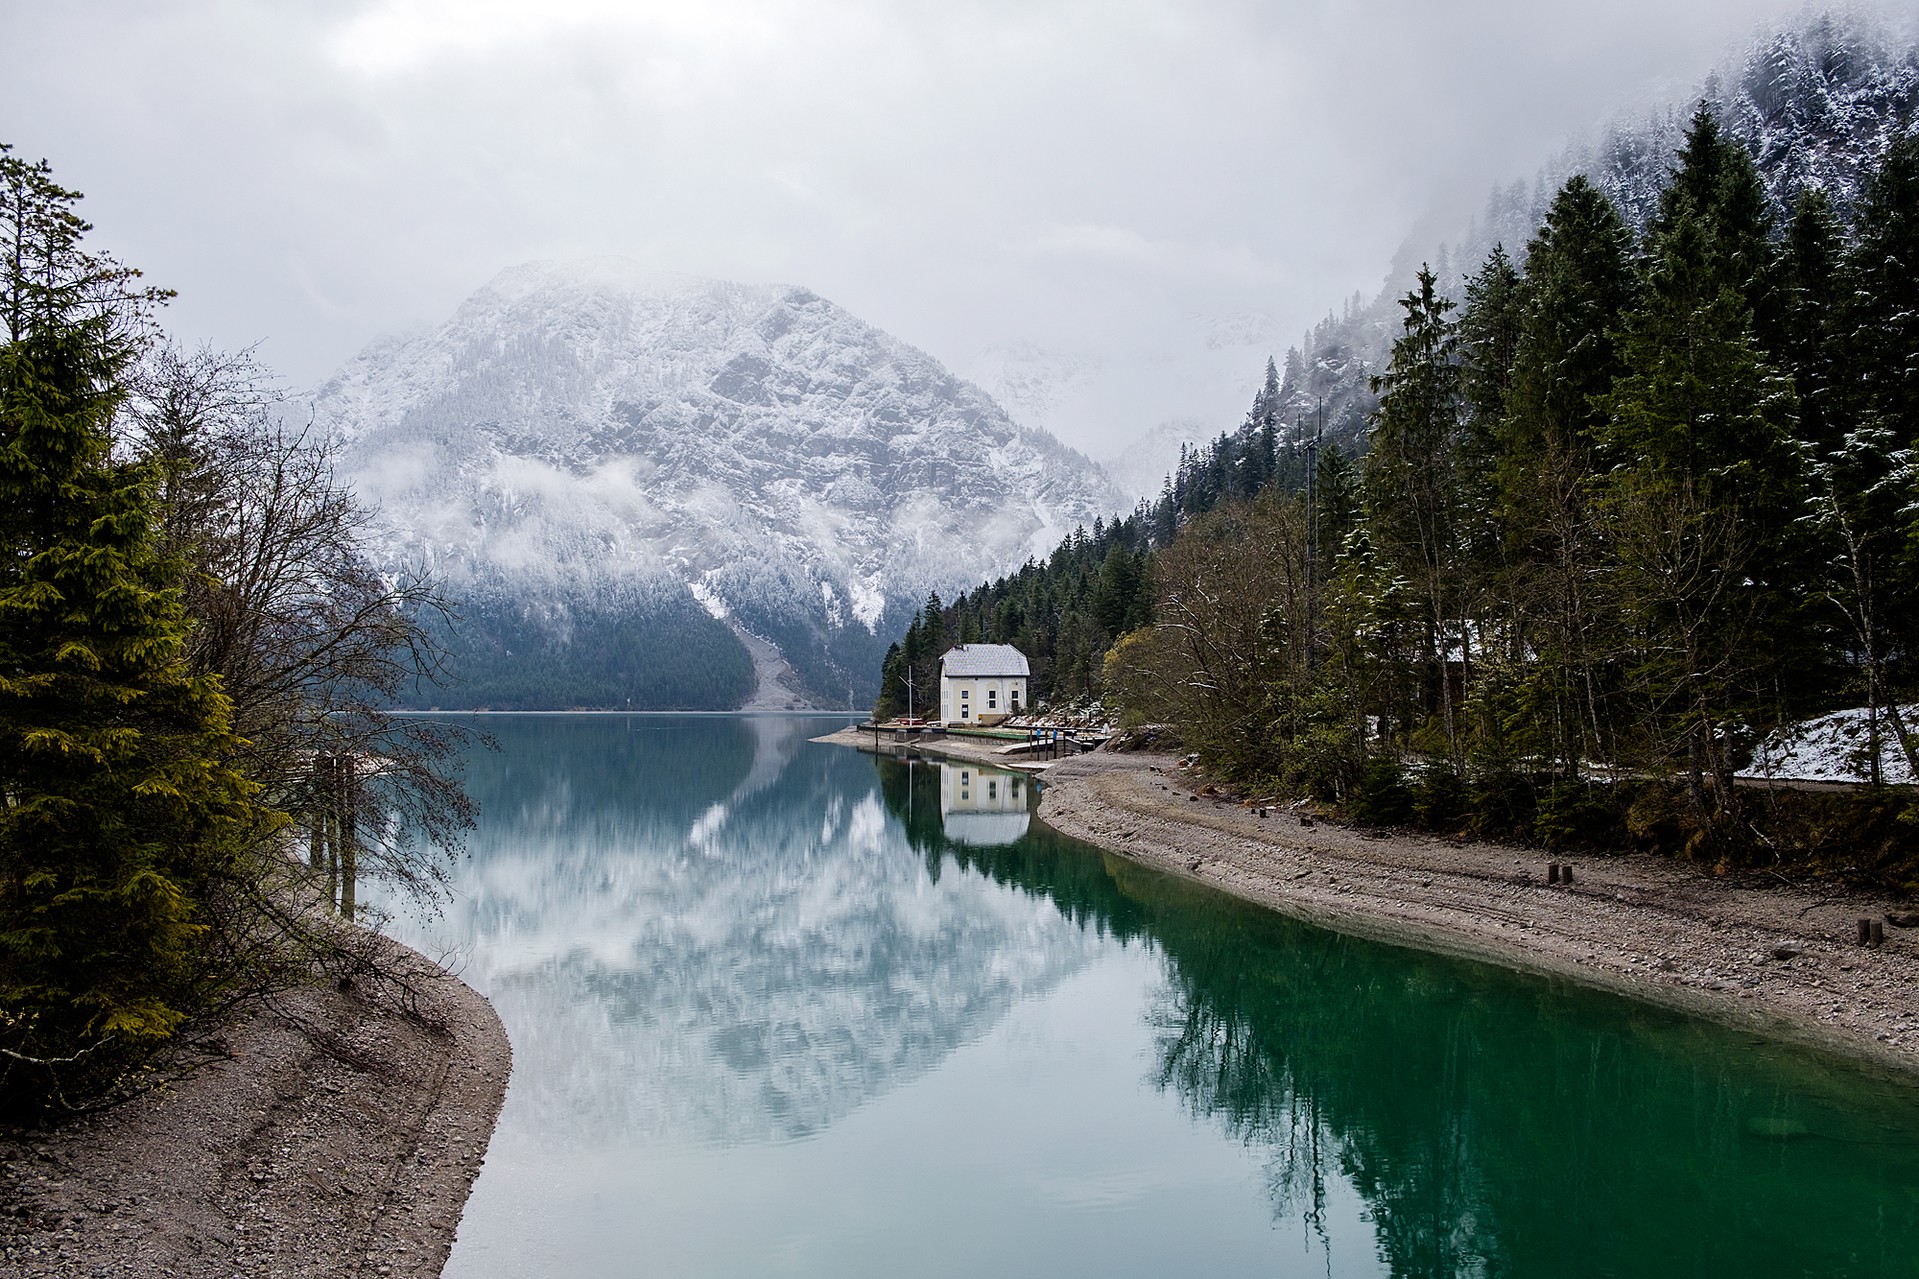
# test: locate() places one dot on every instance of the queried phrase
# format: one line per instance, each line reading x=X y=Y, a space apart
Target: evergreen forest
x=1633 y=500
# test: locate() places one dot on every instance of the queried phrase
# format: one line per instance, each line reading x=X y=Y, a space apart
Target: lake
x=780 y=1008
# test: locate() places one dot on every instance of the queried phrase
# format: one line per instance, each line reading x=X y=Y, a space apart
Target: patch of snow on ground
x=869 y=600
x=709 y=601
x=1832 y=748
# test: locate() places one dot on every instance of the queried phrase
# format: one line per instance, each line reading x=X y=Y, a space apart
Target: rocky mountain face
x=626 y=477
x=1816 y=104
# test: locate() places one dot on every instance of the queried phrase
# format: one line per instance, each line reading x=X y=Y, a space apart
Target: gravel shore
x=1754 y=950
x=337 y=1136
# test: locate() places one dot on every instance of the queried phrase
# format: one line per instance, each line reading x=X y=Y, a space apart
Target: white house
x=982 y=683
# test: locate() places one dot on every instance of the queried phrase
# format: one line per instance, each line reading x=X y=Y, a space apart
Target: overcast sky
x=1085 y=176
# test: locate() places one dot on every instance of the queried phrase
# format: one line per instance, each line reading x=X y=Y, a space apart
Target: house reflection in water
x=983 y=807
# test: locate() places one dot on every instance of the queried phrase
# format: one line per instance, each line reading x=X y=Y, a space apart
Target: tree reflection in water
x=1496 y=1123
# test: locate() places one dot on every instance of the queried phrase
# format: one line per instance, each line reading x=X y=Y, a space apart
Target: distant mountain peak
x=592 y=435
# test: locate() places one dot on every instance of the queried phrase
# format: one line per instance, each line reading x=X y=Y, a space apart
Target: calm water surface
x=781 y=1009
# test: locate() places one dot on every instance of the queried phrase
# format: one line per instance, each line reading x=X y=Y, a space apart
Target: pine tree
x=1489 y=327
x=1883 y=273
x=1707 y=509
x=120 y=823
x=1868 y=492
x=1412 y=478
x=1578 y=284
x=1339 y=501
x=1811 y=299
x=1717 y=185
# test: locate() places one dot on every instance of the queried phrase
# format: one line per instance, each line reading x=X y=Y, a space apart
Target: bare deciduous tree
x=311 y=641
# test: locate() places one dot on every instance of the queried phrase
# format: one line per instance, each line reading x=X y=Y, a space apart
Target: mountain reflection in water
x=680 y=955
x=781 y=1008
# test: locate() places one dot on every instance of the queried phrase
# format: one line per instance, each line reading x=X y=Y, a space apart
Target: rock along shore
x=337 y=1135
x=1754 y=951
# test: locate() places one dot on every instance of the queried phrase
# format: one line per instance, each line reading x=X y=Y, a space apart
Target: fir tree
x=1578 y=284
x=121 y=824
x=1412 y=478
x=1883 y=272
x=1811 y=298
x=1706 y=508
x=1717 y=185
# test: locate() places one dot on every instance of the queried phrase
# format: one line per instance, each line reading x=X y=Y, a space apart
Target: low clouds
x=1086 y=177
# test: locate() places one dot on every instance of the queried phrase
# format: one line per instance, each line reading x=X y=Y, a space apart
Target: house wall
x=964 y=700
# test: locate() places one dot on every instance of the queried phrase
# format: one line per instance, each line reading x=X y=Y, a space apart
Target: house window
x=992 y=699
x=1015 y=702
x=992 y=790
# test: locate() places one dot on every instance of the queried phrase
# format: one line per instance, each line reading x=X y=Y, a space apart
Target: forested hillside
x=1815 y=104
x=1640 y=497
x=1635 y=500
x=1066 y=612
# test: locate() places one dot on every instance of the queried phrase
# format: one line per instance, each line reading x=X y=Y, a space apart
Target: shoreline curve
x=334 y=1133
x=1772 y=957
x=1777 y=959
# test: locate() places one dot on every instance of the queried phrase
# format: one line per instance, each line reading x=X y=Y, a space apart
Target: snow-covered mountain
x=1816 y=103
x=586 y=449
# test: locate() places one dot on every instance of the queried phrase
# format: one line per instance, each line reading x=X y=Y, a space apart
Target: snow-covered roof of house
x=970 y=660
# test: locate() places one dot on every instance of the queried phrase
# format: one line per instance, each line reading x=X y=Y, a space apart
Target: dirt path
x=339 y=1137
x=1750 y=951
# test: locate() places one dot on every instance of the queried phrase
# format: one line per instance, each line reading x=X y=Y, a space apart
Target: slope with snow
x=1816 y=103
x=589 y=437
x=1836 y=747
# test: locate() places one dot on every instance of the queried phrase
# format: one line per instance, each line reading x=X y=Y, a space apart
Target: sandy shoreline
x=1751 y=950
x=338 y=1137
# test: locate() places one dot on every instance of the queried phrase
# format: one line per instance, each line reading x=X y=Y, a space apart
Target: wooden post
x=1878 y=933
x=1865 y=932
x=329 y=810
x=1566 y=873
x=1552 y=872
x=316 y=820
x=349 y=836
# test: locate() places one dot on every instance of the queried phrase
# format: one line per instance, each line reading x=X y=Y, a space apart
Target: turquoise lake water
x=779 y=1008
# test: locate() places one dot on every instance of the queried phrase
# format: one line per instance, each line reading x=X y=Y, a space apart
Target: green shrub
x=1504 y=804
x=1575 y=814
x=1440 y=798
x=1382 y=797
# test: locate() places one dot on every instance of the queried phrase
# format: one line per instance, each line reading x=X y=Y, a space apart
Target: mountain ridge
x=1815 y=102
x=593 y=438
